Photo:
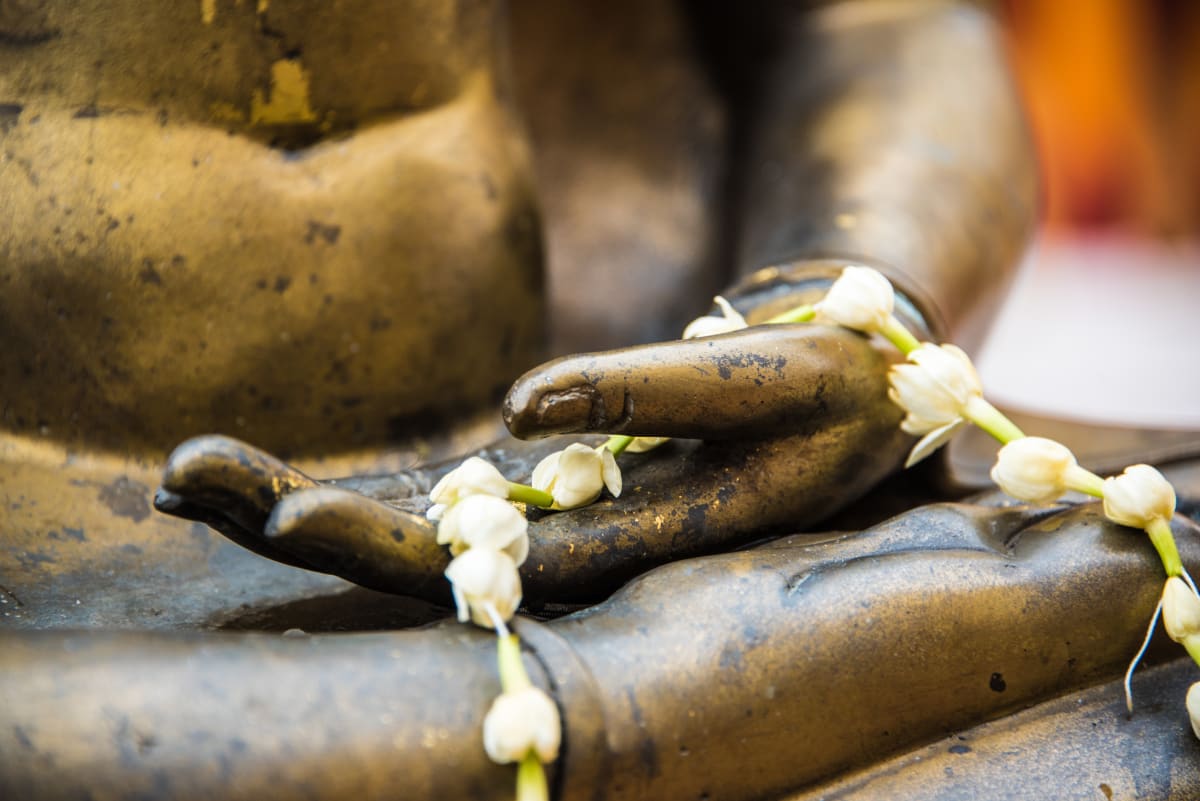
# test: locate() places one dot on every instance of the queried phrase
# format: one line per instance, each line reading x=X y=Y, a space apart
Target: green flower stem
x=1083 y=480
x=523 y=493
x=899 y=336
x=512 y=670
x=989 y=418
x=617 y=443
x=797 y=314
x=531 y=779
x=1164 y=542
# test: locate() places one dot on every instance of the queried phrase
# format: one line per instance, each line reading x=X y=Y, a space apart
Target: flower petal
x=934 y=387
x=915 y=391
x=861 y=298
x=710 y=325
x=474 y=476
x=546 y=472
x=521 y=721
x=481 y=576
x=1033 y=469
x=460 y=603
x=1138 y=496
x=481 y=521
x=610 y=472
x=932 y=441
x=518 y=549
x=1181 y=610
x=644 y=444
x=1193 y=707
x=951 y=368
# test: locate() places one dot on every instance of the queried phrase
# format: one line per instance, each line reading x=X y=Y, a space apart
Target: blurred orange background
x=1113 y=92
x=1101 y=323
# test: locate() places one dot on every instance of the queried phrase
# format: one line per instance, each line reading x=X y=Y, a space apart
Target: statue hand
x=795 y=424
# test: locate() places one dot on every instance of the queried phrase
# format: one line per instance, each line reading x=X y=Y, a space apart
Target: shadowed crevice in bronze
x=353 y=610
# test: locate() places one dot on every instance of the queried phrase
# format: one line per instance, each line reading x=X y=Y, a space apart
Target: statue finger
x=362 y=540
x=748 y=384
x=689 y=499
x=223 y=473
x=231 y=487
x=224 y=522
x=701 y=498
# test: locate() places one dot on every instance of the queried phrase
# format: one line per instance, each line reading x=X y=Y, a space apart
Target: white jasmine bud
x=1193 y=707
x=1036 y=469
x=484 y=521
x=575 y=476
x=474 y=476
x=861 y=298
x=730 y=320
x=934 y=388
x=480 y=577
x=1138 y=496
x=1181 y=610
x=644 y=444
x=519 y=722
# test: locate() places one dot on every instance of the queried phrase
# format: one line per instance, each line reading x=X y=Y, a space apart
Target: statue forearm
x=891 y=134
x=208 y=716
x=772 y=668
x=737 y=676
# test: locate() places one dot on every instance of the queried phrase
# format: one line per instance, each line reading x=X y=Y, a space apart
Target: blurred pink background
x=1102 y=322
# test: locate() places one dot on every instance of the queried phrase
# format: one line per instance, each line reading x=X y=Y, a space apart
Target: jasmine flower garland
x=940 y=392
x=489 y=539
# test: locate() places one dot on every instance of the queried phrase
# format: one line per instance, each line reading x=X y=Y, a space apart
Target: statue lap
x=218 y=222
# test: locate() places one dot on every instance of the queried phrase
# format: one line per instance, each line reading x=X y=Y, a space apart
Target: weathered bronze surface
x=314 y=228
x=702 y=678
x=280 y=222
x=631 y=141
x=872 y=112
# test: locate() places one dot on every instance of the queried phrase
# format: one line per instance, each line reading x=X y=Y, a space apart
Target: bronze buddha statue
x=317 y=230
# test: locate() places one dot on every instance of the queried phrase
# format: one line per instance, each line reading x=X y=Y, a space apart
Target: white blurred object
x=1101 y=329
